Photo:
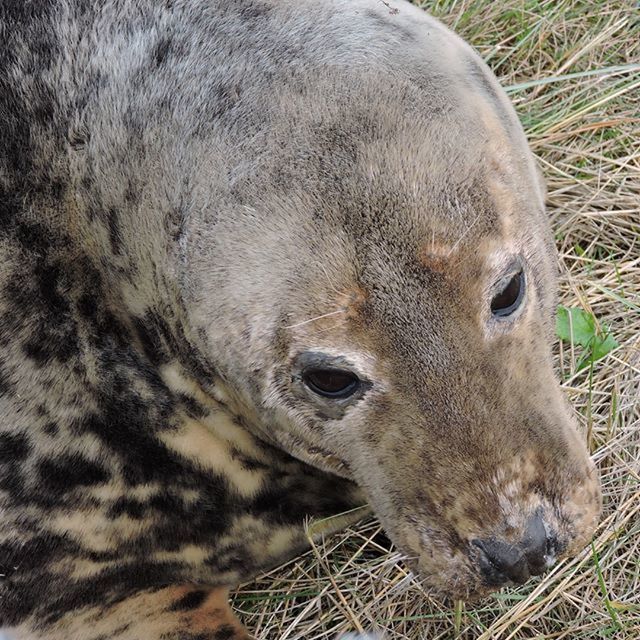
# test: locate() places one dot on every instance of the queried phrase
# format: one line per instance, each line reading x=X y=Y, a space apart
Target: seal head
x=390 y=276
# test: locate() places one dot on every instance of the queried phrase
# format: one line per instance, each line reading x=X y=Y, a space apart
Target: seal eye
x=509 y=299
x=331 y=383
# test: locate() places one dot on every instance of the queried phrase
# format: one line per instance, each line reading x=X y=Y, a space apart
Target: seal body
x=259 y=262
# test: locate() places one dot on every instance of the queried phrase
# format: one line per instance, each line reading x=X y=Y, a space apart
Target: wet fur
x=191 y=194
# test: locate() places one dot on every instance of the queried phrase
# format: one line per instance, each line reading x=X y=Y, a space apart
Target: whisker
x=324 y=315
x=465 y=232
x=331 y=283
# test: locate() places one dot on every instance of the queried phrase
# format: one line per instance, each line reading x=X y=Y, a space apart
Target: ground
x=572 y=68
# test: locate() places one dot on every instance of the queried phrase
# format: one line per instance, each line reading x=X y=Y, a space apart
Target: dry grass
x=572 y=68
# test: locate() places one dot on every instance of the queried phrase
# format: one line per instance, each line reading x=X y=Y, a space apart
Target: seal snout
x=500 y=561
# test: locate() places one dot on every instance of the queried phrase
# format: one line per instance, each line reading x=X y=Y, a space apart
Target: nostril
x=500 y=562
x=538 y=545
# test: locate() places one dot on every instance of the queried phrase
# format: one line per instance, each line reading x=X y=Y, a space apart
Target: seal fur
x=196 y=199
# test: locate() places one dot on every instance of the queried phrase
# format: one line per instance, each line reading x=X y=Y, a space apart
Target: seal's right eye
x=509 y=299
x=331 y=383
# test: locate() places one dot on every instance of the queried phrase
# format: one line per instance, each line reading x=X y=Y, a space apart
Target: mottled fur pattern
x=196 y=198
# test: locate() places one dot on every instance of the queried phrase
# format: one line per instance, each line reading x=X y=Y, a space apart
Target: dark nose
x=500 y=561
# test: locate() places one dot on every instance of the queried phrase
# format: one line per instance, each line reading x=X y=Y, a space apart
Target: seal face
x=257 y=266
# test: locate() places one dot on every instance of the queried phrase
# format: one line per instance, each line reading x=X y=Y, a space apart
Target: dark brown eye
x=331 y=383
x=509 y=299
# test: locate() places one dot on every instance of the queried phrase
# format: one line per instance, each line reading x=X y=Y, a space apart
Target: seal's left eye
x=331 y=383
x=509 y=299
